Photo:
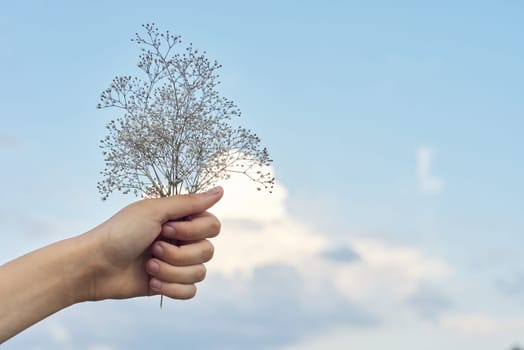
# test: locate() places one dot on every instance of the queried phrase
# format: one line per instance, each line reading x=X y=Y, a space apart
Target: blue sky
x=396 y=124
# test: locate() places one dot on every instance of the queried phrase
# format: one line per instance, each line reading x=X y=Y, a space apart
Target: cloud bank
x=273 y=281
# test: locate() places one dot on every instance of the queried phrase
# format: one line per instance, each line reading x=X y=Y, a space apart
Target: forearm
x=43 y=282
x=114 y=260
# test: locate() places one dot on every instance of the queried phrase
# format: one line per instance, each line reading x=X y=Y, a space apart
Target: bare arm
x=121 y=258
x=40 y=283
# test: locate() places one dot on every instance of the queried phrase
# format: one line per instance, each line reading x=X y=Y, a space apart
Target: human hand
x=132 y=257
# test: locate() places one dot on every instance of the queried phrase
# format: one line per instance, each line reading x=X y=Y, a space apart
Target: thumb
x=176 y=207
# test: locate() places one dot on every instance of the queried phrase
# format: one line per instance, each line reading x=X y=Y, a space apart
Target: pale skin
x=127 y=256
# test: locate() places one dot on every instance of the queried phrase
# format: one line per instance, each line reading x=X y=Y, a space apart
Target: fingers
x=202 y=226
x=185 y=255
x=172 y=290
x=174 y=270
x=176 y=207
x=176 y=274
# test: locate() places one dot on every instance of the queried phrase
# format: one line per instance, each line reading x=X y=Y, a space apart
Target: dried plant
x=175 y=132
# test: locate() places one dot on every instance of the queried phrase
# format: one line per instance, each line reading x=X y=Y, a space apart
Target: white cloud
x=101 y=347
x=257 y=231
x=483 y=325
x=428 y=182
x=60 y=335
x=401 y=336
x=242 y=201
x=396 y=269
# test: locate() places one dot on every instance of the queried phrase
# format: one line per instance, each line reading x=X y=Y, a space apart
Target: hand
x=123 y=257
x=133 y=257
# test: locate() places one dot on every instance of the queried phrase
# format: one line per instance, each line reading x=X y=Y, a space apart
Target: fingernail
x=158 y=250
x=153 y=266
x=156 y=284
x=169 y=230
x=214 y=191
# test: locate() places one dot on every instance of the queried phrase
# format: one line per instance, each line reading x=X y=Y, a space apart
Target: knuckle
x=148 y=204
x=192 y=201
x=174 y=253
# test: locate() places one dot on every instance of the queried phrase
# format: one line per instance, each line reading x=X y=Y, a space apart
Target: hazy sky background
x=396 y=132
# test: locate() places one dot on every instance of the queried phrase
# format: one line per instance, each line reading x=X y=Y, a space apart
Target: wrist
x=81 y=267
x=45 y=281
